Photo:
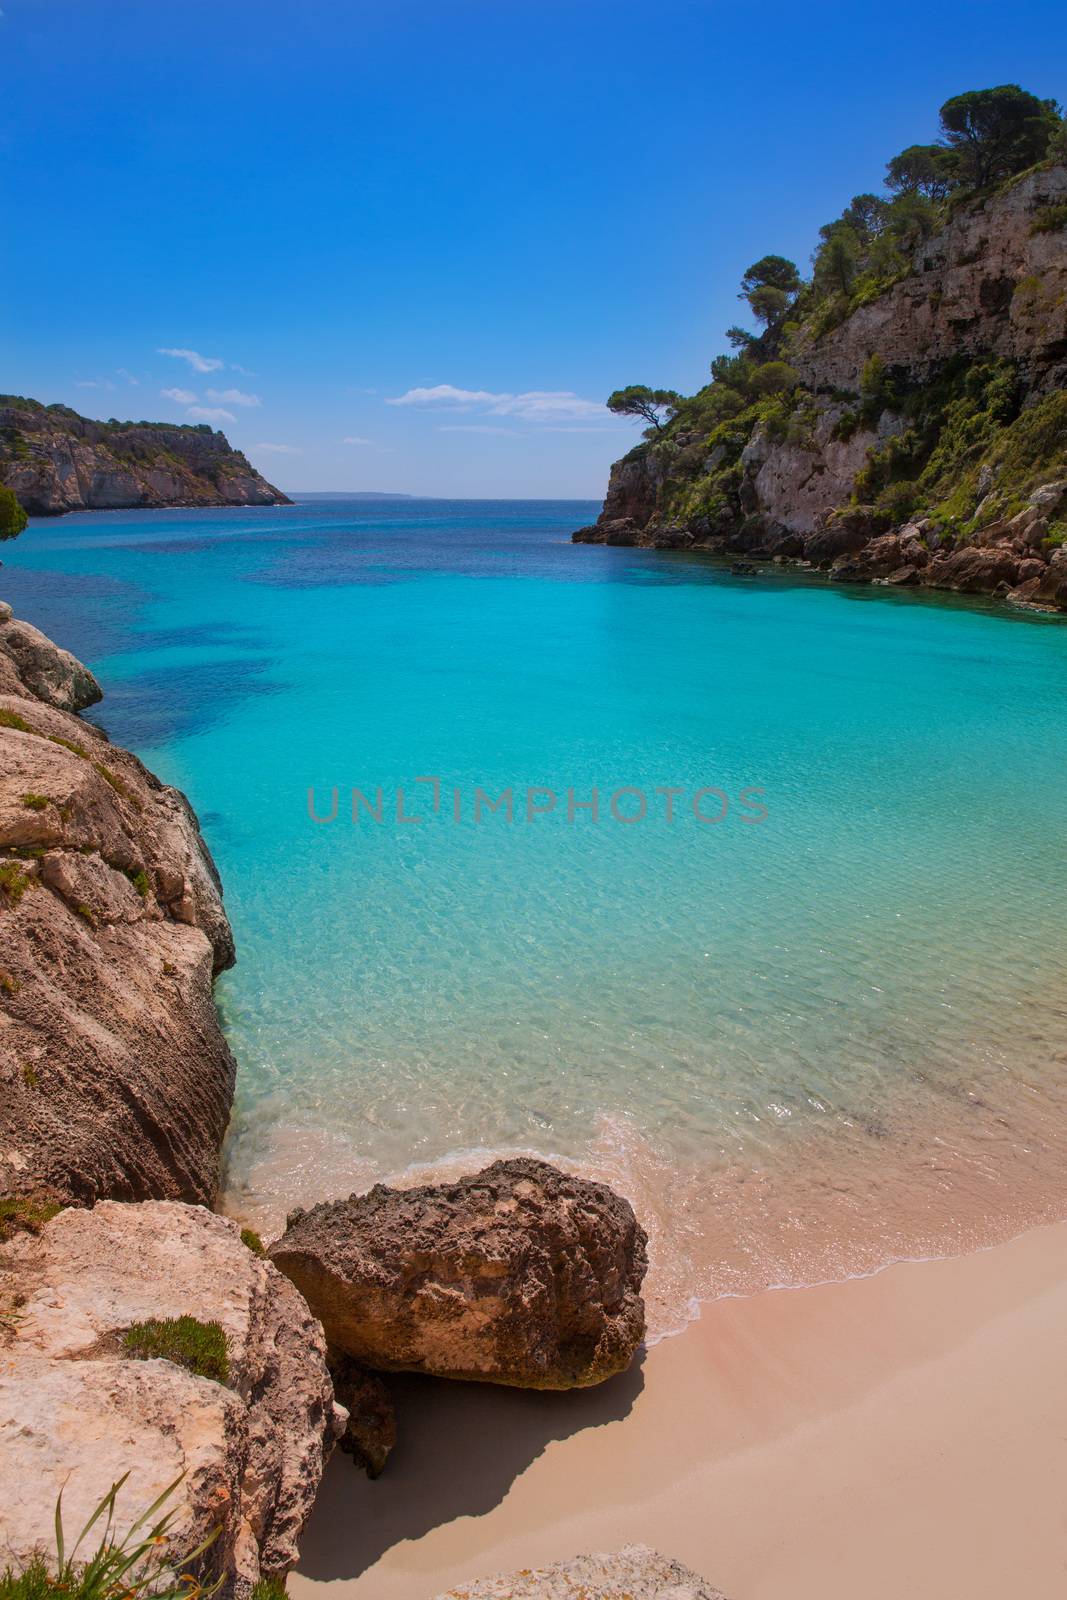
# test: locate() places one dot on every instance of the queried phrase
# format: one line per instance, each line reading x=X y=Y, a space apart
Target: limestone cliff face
x=56 y=461
x=990 y=287
x=115 y=1079
x=985 y=285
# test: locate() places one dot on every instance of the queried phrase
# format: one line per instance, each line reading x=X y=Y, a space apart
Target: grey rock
x=45 y=671
x=633 y=1573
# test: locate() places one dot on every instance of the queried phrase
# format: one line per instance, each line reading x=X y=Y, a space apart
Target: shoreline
x=900 y=1433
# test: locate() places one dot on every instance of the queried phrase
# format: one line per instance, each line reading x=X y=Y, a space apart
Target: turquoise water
x=803 y=1044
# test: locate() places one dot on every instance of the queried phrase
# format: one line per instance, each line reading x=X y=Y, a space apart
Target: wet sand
x=903 y=1434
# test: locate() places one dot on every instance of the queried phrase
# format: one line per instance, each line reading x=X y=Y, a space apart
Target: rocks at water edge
x=115 y=1079
x=76 y=1412
x=520 y=1275
x=31 y=664
x=633 y=1573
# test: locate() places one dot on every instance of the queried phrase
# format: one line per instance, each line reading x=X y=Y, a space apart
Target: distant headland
x=55 y=460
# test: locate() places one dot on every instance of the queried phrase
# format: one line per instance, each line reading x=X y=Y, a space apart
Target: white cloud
x=181 y=397
x=129 y=377
x=198 y=362
x=280 y=449
x=446 y=394
x=547 y=405
x=533 y=405
x=353 y=438
x=235 y=366
x=234 y=397
x=93 y=383
x=210 y=414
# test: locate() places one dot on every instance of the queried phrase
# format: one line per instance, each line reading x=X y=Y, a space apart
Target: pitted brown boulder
x=521 y=1275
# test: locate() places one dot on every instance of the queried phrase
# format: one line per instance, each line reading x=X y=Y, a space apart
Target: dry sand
x=903 y=1435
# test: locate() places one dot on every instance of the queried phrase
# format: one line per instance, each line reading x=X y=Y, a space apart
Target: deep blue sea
x=817 y=1025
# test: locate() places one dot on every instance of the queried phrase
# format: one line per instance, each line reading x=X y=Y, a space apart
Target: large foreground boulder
x=115 y=1079
x=521 y=1275
x=633 y=1573
x=77 y=1411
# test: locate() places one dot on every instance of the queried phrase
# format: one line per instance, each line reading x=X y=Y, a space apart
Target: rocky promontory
x=55 y=460
x=117 y=1081
x=902 y=416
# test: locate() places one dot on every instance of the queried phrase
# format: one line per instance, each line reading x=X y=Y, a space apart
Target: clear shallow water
x=803 y=1046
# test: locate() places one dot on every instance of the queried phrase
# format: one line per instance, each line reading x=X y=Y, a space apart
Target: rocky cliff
x=56 y=460
x=116 y=1079
x=916 y=434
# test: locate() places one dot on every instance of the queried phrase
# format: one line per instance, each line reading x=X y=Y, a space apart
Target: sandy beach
x=902 y=1434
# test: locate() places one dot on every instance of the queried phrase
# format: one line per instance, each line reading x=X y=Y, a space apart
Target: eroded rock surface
x=115 y=1079
x=76 y=1412
x=520 y=1275
x=633 y=1573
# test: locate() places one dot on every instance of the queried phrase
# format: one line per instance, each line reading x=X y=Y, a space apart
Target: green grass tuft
x=36 y=802
x=200 y=1347
x=269 y=1589
x=68 y=744
x=14 y=882
x=26 y=1213
x=130 y=1566
x=117 y=784
x=11 y=719
x=1050 y=219
x=251 y=1238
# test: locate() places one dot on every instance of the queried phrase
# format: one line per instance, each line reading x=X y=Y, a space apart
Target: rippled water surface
x=803 y=1045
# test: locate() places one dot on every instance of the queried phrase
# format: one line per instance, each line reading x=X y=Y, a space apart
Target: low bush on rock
x=25 y=1213
x=200 y=1347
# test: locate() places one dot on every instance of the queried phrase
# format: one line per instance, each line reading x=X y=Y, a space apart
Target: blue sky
x=332 y=206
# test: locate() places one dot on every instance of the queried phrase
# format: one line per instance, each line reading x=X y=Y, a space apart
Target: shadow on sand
x=460 y=1446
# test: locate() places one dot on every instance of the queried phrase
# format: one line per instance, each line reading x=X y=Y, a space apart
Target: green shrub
x=11 y=719
x=12 y=517
x=141 y=882
x=774 y=377
x=130 y=1566
x=26 y=1213
x=200 y=1347
x=36 y=802
x=14 y=882
x=269 y=1589
x=251 y=1238
x=1050 y=219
